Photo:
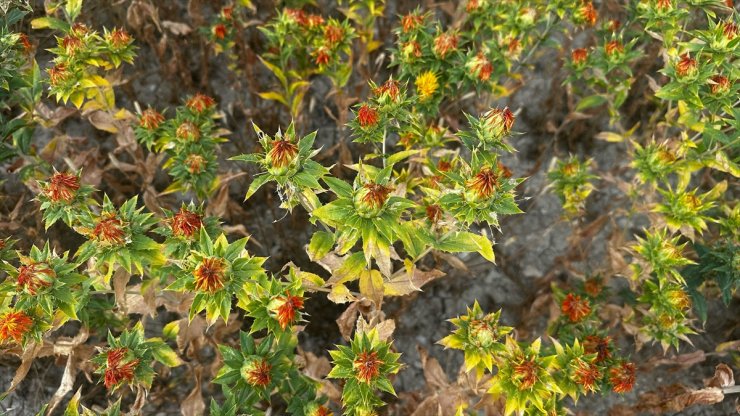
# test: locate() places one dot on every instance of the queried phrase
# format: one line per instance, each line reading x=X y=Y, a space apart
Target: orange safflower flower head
x=219 y=31
x=586 y=14
x=367 y=366
x=195 y=163
x=288 y=309
x=525 y=374
x=151 y=119
x=333 y=34
x=200 y=103
x=575 y=307
x=579 y=56
x=210 y=275
x=186 y=223
x=720 y=84
x=370 y=200
x=62 y=187
x=119 y=38
x=410 y=22
x=14 y=325
x=367 y=116
x=109 y=231
x=187 y=131
x=444 y=44
x=282 y=154
x=686 y=66
x=483 y=185
x=119 y=368
x=587 y=375
x=256 y=372
x=622 y=377
x=35 y=276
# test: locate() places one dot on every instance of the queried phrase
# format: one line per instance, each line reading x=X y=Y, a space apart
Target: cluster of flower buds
x=190 y=140
x=78 y=55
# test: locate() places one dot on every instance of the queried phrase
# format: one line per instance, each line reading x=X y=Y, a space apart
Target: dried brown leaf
x=347 y=319
x=434 y=375
x=193 y=404
x=723 y=377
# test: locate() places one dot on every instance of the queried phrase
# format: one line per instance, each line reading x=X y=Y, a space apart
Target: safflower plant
x=141 y=266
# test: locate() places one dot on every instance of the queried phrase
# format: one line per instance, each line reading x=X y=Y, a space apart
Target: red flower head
x=587 y=375
x=575 y=307
x=481 y=67
x=730 y=3
x=62 y=187
x=663 y=4
x=622 y=377
x=256 y=372
x=389 y=87
x=119 y=38
x=71 y=44
x=484 y=183
x=109 y=230
x=297 y=16
x=434 y=213
x=500 y=120
x=282 y=153
x=444 y=166
x=525 y=374
x=219 y=31
x=26 y=42
x=209 y=275
x=79 y=29
x=375 y=195
x=367 y=116
x=187 y=131
x=200 y=103
x=410 y=22
x=444 y=44
x=227 y=12
x=729 y=29
x=286 y=312
x=13 y=325
x=686 y=66
x=587 y=13
x=472 y=5
x=579 y=56
x=195 y=163
x=601 y=346
x=614 y=47
x=720 y=84
x=35 y=276
x=333 y=34
x=116 y=370
x=411 y=49
x=58 y=74
x=314 y=20
x=322 y=56
x=367 y=365
x=186 y=223
x=150 y=119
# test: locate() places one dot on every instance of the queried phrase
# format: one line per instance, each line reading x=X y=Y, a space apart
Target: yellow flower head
x=426 y=85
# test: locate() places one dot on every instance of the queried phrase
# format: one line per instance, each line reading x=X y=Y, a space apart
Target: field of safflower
x=369 y=207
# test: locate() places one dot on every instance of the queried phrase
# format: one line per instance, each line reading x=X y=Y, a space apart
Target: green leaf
x=50 y=23
x=73 y=9
x=320 y=245
x=590 y=102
